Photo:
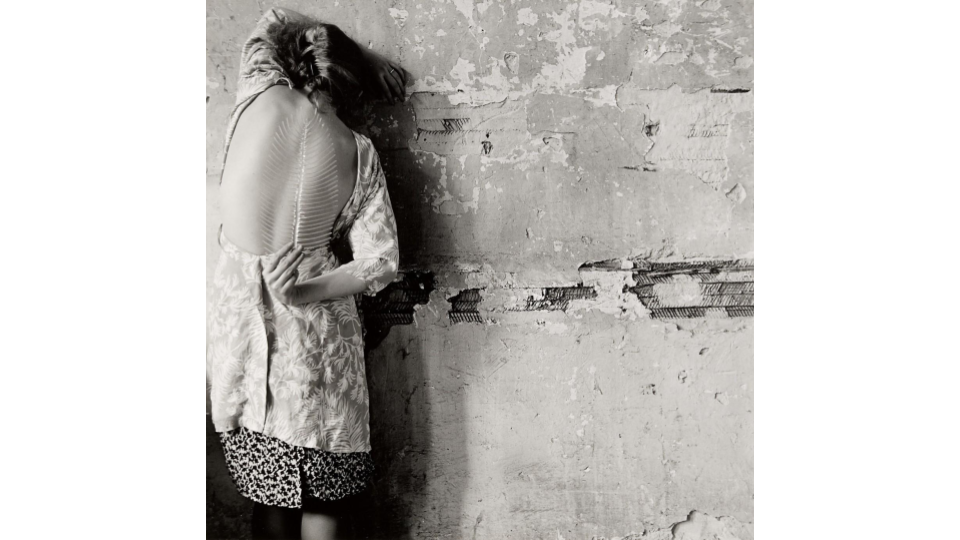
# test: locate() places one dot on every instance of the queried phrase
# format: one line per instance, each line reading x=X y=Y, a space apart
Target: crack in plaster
x=697 y=526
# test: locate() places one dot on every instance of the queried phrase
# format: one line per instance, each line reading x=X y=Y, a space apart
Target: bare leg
x=275 y=523
x=319 y=521
x=318 y=526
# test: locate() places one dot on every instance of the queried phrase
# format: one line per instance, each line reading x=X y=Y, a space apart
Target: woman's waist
x=316 y=259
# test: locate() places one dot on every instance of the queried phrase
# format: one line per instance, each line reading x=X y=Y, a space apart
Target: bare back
x=288 y=173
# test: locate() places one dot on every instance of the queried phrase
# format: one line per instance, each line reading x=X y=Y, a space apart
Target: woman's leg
x=320 y=518
x=318 y=526
x=275 y=523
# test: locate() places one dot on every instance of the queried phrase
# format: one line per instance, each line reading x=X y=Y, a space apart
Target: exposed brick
x=464 y=306
x=394 y=305
x=557 y=298
x=699 y=287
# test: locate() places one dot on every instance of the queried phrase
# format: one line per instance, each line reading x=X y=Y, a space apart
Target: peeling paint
x=465 y=7
x=737 y=194
x=693 y=129
x=527 y=17
x=512 y=60
x=449 y=129
x=399 y=15
x=606 y=95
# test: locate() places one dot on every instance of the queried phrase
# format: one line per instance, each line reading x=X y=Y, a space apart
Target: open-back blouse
x=297 y=372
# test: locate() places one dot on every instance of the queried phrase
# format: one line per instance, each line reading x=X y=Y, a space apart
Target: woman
x=285 y=351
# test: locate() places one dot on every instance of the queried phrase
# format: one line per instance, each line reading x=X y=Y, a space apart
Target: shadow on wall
x=407 y=406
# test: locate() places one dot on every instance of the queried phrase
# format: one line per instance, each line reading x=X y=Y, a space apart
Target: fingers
x=392 y=88
x=284 y=250
x=384 y=89
x=289 y=269
x=398 y=80
x=282 y=284
x=399 y=72
x=283 y=289
x=287 y=287
x=284 y=263
x=292 y=273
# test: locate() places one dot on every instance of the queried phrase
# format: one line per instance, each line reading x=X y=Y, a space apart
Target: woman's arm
x=390 y=78
x=328 y=286
x=376 y=255
x=281 y=278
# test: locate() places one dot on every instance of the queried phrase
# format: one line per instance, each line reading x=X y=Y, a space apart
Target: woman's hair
x=319 y=56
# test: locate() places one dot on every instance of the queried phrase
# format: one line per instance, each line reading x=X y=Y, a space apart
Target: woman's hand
x=281 y=275
x=389 y=77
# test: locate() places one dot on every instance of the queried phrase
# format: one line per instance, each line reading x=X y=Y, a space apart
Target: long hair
x=320 y=57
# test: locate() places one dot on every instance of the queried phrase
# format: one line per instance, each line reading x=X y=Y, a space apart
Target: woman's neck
x=321 y=100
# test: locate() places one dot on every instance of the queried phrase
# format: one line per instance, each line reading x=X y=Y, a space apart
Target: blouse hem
x=232 y=425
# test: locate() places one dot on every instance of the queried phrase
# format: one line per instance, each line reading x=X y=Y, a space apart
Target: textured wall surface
x=568 y=351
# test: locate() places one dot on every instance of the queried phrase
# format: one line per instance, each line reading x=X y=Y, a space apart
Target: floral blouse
x=297 y=372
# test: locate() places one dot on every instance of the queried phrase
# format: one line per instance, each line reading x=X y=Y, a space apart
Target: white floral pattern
x=296 y=373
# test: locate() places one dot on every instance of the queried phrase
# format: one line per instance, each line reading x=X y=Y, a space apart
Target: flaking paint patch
x=440 y=198
x=473 y=90
x=693 y=129
x=461 y=72
x=419 y=48
x=606 y=95
x=498 y=300
x=594 y=15
x=701 y=40
x=465 y=7
x=700 y=526
x=512 y=60
x=571 y=65
x=527 y=17
x=399 y=16
x=737 y=193
x=572 y=31
x=612 y=297
x=491 y=130
x=549 y=146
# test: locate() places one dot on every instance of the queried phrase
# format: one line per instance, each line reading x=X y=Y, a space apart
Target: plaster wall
x=573 y=183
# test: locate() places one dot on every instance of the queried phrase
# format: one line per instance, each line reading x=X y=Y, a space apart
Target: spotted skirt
x=269 y=471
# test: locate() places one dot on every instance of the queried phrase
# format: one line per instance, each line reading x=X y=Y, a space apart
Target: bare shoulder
x=278 y=110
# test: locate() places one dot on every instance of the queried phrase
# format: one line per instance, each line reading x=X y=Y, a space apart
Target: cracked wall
x=567 y=352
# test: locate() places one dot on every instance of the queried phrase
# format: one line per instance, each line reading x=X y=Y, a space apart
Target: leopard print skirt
x=269 y=471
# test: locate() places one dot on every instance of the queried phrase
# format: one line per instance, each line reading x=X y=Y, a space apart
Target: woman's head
x=320 y=57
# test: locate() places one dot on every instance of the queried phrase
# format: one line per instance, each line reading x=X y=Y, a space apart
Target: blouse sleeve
x=259 y=64
x=373 y=237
